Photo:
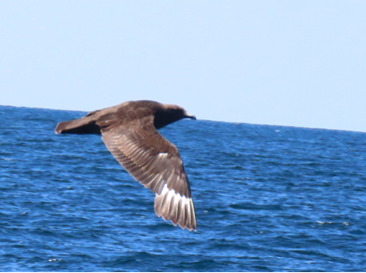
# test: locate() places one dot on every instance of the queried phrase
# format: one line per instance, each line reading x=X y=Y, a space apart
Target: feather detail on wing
x=154 y=162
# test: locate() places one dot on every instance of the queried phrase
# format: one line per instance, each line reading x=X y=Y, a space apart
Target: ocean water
x=267 y=198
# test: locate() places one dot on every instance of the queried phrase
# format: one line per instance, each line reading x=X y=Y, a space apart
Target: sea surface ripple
x=267 y=198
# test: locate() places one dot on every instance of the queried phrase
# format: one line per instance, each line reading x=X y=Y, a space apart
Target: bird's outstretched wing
x=154 y=162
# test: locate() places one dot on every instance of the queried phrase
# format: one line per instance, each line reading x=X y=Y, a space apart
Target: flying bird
x=129 y=130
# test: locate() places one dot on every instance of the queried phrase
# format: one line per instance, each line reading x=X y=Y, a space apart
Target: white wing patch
x=179 y=209
x=162 y=155
x=177 y=196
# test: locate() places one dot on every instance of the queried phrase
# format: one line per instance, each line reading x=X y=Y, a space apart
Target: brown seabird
x=129 y=130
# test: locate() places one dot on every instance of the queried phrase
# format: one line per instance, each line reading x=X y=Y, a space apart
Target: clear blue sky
x=297 y=63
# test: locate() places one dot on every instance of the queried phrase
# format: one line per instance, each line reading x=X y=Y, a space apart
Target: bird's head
x=170 y=113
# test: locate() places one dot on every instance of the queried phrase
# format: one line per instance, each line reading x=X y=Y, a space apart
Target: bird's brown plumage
x=129 y=131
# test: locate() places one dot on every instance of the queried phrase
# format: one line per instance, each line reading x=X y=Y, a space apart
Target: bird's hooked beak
x=187 y=115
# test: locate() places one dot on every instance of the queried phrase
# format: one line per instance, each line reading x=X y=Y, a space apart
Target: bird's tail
x=84 y=125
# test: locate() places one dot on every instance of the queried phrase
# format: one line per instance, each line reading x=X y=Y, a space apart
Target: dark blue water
x=267 y=198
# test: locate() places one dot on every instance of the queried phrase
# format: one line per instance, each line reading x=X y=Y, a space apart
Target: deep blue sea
x=267 y=198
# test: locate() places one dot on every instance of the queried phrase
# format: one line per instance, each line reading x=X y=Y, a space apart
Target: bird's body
x=129 y=131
